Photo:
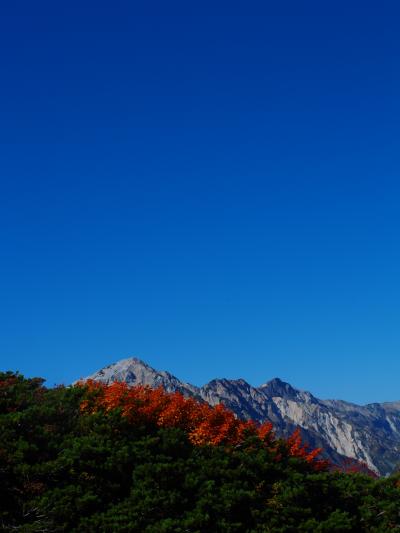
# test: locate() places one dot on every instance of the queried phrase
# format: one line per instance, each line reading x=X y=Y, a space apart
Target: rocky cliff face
x=369 y=433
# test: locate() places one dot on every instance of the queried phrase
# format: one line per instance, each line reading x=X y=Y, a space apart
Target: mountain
x=370 y=433
x=136 y=372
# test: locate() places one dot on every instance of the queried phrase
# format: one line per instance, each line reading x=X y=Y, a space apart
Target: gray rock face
x=369 y=433
x=136 y=372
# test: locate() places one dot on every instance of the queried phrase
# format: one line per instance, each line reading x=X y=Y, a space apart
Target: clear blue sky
x=217 y=193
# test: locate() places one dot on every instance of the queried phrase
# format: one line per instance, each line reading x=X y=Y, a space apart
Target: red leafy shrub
x=204 y=424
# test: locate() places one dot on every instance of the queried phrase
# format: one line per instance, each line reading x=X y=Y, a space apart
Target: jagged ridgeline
x=369 y=434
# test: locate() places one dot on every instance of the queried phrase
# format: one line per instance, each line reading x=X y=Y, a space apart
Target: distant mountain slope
x=369 y=433
x=137 y=372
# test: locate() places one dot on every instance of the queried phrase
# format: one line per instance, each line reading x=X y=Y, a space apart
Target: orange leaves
x=298 y=449
x=181 y=412
x=219 y=426
x=265 y=431
x=203 y=423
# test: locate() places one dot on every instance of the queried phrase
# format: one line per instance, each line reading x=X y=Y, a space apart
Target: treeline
x=92 y=458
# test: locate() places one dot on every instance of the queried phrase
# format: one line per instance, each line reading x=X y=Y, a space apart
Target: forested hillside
x=104 y=458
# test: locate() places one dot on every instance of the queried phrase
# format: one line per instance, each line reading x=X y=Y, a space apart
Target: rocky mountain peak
x=370 y=433
x=134 y=371
x=278 y=388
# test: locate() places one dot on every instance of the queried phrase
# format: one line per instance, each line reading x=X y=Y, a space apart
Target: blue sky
x=216 y=193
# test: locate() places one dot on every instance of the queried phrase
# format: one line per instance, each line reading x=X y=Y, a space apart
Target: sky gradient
x=217 y=194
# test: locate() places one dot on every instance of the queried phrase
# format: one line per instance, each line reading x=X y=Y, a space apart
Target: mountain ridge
x=368 y=433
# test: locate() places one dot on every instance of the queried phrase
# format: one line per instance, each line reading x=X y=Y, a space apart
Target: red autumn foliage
x=298 y=449
x=204 y=424
x=348 y=465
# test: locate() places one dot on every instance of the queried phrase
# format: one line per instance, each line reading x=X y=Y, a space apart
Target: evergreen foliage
x=102 y=459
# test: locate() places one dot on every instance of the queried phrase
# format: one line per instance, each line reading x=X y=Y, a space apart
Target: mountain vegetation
x=102 y=458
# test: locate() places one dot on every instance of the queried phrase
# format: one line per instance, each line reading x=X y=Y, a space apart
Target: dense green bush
x=65 y=470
